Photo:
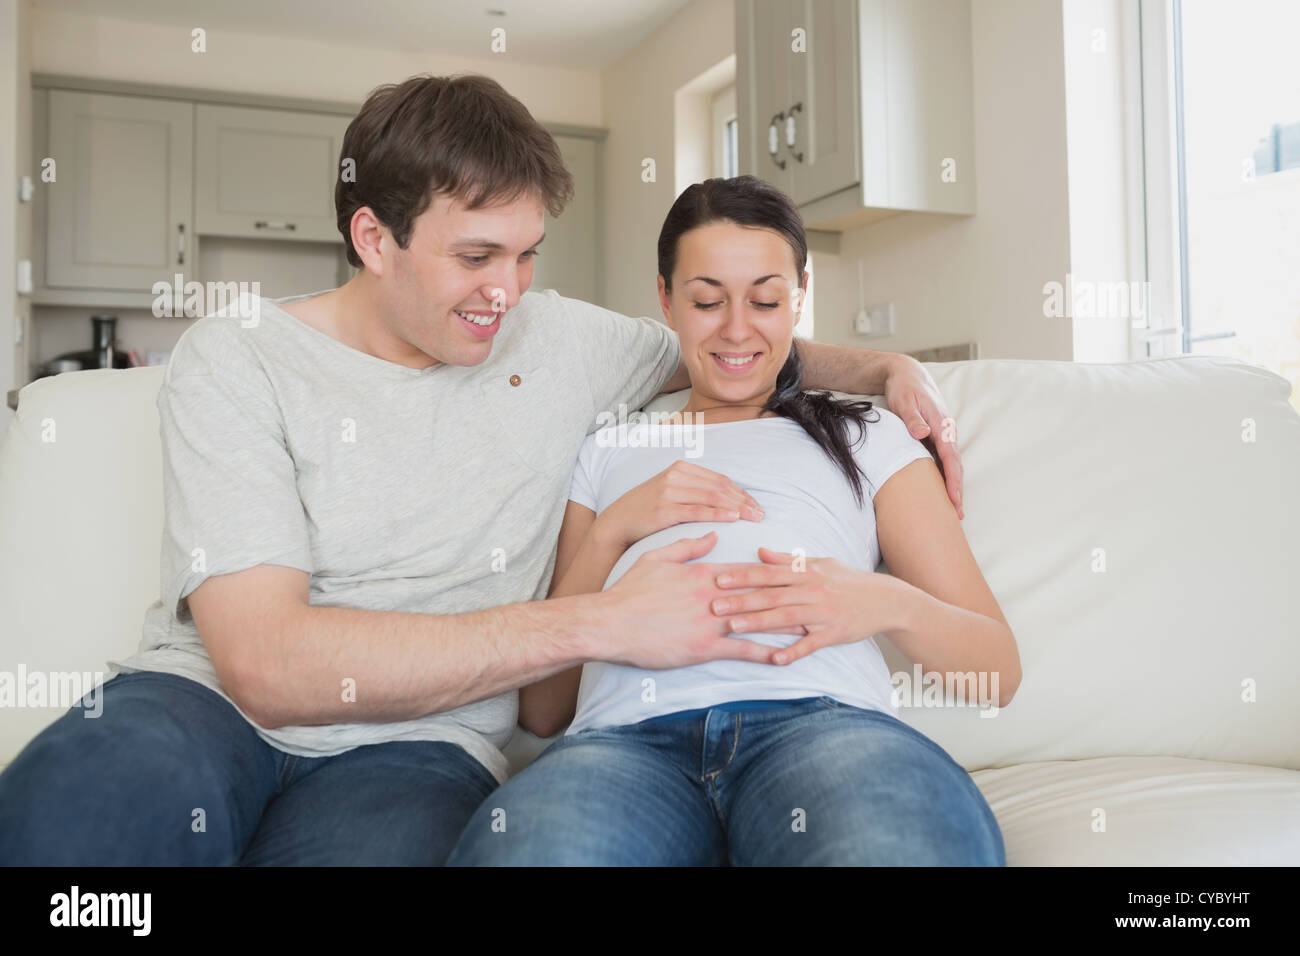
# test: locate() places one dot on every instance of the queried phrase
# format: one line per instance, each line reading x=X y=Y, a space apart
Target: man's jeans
x=758 y=783
x=172 y=774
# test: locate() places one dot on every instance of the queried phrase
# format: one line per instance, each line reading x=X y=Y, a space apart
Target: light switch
x=24 y=280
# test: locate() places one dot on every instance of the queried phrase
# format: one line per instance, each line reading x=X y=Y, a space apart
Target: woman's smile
x=735 y=363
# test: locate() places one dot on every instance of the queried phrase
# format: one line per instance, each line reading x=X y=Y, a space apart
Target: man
x=363 y=493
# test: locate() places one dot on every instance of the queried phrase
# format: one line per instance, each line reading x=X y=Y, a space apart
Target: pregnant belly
x=738 y=541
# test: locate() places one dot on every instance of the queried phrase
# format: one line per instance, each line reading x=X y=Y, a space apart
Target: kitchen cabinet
x=153 y=181
x=264 y=173
x=119 y=204
x=858 y=109
x=143 y=174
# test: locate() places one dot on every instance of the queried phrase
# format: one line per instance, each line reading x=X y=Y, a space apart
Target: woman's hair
x=749 y=201
x=461 y=134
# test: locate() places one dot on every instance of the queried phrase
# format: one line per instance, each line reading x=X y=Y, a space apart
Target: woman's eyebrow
x=715 y=282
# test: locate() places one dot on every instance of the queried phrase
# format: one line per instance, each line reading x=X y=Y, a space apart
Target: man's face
x=460 y=261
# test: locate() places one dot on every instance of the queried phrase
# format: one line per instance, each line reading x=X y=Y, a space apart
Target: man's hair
x=462 y=135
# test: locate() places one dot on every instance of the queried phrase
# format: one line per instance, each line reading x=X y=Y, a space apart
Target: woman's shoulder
x=886 y=440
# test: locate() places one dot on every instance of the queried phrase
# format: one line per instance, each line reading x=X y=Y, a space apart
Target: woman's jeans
x=757 y=783
x=171 y=774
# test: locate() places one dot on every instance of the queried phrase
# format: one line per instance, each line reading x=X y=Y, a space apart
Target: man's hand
x=658 y=615
x=912 y=395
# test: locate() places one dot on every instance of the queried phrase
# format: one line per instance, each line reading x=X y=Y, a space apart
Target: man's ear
x=367 y=235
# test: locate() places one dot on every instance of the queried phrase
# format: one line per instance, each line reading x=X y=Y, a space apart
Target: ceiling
x=579 y=34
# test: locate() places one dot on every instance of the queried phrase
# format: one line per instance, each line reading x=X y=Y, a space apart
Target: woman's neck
x=718 y=414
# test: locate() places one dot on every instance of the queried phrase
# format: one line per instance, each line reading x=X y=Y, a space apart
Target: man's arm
x=909 y=391
x=287 y=662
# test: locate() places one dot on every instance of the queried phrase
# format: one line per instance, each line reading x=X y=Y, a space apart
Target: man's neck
x=349 y=315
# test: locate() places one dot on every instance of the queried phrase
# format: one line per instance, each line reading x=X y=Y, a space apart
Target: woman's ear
x=664 y=299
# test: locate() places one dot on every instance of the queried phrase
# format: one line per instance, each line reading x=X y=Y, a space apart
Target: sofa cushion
x=1145 y=811
x=81 y=514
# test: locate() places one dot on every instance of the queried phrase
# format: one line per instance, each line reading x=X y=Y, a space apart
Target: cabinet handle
x=774 y=140
x=792 y=132
x=180 y=243
x=282 y=226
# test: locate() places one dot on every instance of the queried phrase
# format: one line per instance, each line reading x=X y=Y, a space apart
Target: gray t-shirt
x=436 y=491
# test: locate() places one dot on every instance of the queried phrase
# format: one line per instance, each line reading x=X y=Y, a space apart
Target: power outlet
x=875 y=321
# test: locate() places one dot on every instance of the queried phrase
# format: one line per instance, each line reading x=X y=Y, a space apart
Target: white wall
x=951 y=279
x=639 y=95
x=152 y=53
x=959 y=279
x=1097 y=68
x=15 y=217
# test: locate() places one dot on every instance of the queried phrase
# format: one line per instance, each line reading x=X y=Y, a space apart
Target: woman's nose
x=735 y=326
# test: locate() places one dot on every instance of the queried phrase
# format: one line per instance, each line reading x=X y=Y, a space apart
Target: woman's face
x=735 y=296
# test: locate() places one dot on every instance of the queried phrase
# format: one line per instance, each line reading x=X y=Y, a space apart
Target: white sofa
x=1144 y=550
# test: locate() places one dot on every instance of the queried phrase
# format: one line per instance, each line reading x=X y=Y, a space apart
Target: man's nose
x=505 y=291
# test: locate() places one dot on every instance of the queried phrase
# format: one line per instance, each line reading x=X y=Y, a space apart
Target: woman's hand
x=832 y=602
x=681 y=492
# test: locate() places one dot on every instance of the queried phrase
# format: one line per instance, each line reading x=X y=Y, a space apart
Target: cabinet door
x=824 y=101
x=764 y=88
x=267 y=173
x=566 y=260
x=119 y=208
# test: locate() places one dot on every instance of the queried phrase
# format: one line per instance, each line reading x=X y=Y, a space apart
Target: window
x=730 y=159
x=1221 y=131
x=726 y=159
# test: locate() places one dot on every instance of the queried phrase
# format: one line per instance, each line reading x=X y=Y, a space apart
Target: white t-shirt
x=432 y=491
x=808 y=504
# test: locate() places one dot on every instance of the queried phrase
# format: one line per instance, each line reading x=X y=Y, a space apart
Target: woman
x=800 y=761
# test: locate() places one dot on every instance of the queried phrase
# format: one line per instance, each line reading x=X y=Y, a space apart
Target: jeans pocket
x=830 y=703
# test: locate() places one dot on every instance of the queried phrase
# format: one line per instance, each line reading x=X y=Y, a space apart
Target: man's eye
x=475 y=260
x=532 y=253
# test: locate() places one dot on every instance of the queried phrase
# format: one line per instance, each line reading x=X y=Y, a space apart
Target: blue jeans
x=171 y=774
x=758 y=783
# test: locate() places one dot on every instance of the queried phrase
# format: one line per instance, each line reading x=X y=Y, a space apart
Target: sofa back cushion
x=81 y=514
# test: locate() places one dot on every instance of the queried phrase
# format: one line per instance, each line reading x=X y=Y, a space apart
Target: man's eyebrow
x=715 y=282
x=479 y=242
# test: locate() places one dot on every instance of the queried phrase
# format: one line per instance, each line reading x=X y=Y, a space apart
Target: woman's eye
x=767 y=305
x=706 y=305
